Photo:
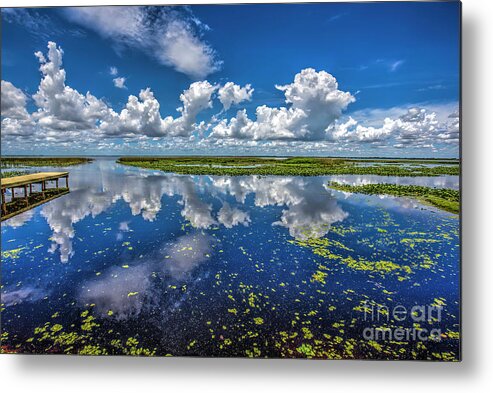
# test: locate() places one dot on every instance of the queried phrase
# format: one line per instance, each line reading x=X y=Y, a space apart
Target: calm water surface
x=142 y=262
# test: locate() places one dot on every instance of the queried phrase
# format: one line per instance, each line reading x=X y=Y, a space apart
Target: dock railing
x=32 y=190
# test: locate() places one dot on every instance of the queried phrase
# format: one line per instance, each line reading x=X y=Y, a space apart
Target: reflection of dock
x=35 y=189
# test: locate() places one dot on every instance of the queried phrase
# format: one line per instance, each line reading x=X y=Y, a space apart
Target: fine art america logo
x=401 y=315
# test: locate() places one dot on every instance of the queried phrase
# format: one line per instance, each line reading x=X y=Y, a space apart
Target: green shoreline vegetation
x=13 y=162
x=13 y=173
x=293 y=166
x=441 y=198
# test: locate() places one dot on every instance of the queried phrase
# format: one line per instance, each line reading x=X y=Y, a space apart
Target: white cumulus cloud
x=61 y=107
x=310 y=122
x=416 y=127
x=16 y=121
x=233 y=94
x=314 y=100
x=13 y=102
x=141 y=115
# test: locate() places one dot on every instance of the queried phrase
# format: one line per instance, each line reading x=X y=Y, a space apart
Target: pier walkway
x=22 y=193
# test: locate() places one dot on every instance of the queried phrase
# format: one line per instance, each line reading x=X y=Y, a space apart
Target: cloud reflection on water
x=124 y=291
x=19 y=220
x=308 y=206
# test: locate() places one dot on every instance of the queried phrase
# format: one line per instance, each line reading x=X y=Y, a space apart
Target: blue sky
x=362 y=79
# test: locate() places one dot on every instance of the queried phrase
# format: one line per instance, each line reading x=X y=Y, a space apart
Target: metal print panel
x=266 y=181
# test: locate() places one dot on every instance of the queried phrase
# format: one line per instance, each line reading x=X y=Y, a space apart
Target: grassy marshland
x=442 y=198
x=293 y=166
x=12 y=162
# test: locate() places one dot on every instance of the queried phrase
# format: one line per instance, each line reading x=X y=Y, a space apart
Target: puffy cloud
x=351 y=130
x=63 y=113
x=271 y=123
x=233 y=94
x=120 y=82
x=173 y=37
x=451 y=133
x=60 y=107
x=195 y=99
x=16 y=121
x=113 y=71
x=141 y=115
x=417 y=127
x=12 y=128
x=236 y=127
x=13 y=103
x=312 y=90
x=315 y=103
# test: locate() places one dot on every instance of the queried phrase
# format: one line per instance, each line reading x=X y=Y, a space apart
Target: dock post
x=26 y=197
x=66 y=181
x=43 y=188
x=4 y=202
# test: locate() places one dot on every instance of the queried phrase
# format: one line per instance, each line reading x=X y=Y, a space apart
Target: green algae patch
x=87 y=339
x=326 y=248
x=382 y=267
x=12 y=254
x=442 y=198
x=319 y=277
x=306 y=350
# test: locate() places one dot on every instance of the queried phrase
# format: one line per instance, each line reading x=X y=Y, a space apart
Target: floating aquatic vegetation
x=442 y=198
x=87 y=339
x=13 y=253
x=326 y=248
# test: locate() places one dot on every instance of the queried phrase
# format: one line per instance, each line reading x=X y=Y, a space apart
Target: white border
x=85 y=374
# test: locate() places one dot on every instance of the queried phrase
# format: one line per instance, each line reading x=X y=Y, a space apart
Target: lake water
x=141 y=262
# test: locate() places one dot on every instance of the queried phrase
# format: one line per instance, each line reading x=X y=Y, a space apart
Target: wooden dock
x=36 y=189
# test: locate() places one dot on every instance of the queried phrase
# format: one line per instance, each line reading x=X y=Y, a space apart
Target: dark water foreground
x=141 y=262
